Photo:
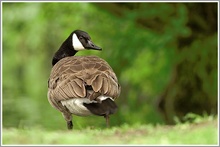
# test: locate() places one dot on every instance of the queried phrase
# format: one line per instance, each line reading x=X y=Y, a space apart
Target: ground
x=203 y=132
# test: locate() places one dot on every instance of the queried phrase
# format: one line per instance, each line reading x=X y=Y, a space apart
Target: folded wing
x=80 y=77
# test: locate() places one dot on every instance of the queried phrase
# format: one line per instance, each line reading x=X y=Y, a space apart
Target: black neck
x=65 y=50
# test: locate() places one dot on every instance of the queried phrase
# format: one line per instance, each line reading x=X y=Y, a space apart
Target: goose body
x=81 y=85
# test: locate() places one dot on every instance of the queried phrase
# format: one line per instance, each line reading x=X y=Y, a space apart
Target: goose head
x=82 y=41
x=78 y=40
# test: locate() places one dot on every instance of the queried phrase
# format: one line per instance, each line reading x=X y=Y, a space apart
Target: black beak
x=91 y=45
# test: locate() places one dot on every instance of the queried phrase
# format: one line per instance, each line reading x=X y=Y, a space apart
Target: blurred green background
x=164 y=54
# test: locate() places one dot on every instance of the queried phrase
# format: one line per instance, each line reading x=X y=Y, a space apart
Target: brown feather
x=80 y=92
x=70 y=76
x=105 y=85
x=97 y=83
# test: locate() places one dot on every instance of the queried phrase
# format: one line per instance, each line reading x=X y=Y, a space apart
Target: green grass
x=201 y=132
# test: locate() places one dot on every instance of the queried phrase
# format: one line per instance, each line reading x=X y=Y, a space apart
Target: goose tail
x=104 y=107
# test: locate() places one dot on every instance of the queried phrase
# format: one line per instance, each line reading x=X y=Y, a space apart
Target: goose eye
x=80 y=37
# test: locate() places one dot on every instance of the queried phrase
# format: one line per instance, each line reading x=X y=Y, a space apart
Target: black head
x=82 y=41
x=78 y=40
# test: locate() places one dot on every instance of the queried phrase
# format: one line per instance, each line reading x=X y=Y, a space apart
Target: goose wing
x=80 y=77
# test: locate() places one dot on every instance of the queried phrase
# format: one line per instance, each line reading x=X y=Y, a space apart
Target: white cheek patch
x=77 y=45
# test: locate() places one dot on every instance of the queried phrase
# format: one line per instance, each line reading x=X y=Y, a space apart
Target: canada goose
x=81 y=85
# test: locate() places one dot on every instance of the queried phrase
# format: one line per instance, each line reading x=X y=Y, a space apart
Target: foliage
x=142 y=54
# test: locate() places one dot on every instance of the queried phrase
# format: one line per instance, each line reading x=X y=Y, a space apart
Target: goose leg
x=107 y=120
x=68 y=118
x=70 y=125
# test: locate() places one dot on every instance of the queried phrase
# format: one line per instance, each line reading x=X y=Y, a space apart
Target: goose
x=82 y=85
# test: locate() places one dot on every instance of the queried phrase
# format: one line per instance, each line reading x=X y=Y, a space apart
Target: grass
x=200 y=132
